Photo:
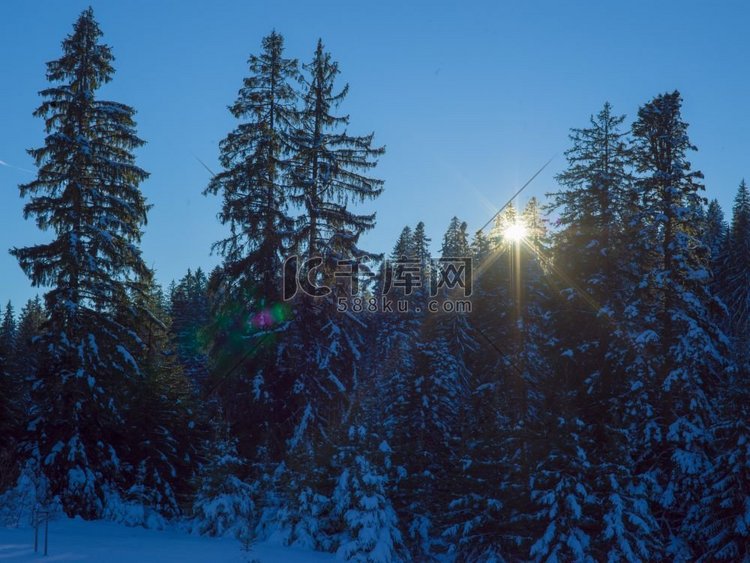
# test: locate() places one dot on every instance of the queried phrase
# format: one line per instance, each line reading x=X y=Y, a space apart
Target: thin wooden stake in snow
x=40 y=515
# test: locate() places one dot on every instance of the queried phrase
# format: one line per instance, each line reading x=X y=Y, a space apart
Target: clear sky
x=470 y=98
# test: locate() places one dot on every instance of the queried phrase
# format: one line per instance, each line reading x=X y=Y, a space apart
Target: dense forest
x=591 y=404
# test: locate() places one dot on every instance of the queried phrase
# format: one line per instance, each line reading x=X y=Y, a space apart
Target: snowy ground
x=106 y=542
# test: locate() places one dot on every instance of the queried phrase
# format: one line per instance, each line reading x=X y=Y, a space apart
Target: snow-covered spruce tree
x=30 y=322
x=163 y=423
x=404 y=247
x=455 y=327
x=324 y=348
x=421 y=243
x=8 y=338
x=715 y=235
x=255 y=158
x=590 y=255
x=22 y=367
x=224 y=503
x=369 y=529
x=434 y=402
x=10 y=414
x=86 y=192
x=294 y=512
x=487 y=477
x=442 y=367
x=390 y=381
x=493 y=309
x=396 y=339
x=735 y=274
x=593 y=274
x=503 y=438
x=681 y=355
x=398 y=327
x=327 y=177
x=189 y=312
x=722 y=525
x=559 y=448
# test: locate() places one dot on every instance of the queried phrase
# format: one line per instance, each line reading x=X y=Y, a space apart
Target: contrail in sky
x=3 y=163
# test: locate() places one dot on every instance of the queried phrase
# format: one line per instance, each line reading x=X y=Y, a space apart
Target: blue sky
x=469 y=98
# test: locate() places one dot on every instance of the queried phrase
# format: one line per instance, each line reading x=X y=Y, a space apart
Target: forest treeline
x=592 y=406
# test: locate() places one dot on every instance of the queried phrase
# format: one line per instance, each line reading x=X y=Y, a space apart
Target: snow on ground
x=107 y=542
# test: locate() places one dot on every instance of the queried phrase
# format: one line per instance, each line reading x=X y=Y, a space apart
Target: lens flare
x=515 y=232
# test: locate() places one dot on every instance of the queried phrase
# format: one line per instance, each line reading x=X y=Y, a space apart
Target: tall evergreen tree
x=735 y=271
x=86 y=192
x=321 y=354
x=396 y=337
x=680 y=356
x=10 y=419
x=30 y=322
x=8 y=333
x=328 y=177
x=329 y=167
x=399 y=345
x=502 y=431
x=255 y=158
x=161 y=417
x=189 y=312
x=721 y=527
x=593 y=273
x=8 y=341
x=590 y=250
x=421 y=243
x=714 y=233
x=434 y=401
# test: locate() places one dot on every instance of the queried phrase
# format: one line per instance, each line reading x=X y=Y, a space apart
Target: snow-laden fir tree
x=715 y=233
x=680 y=355
x=162 y=421
x=255 y=158
x=489 y=517
x=589 y=248
x=86 y=193
x=443 y=363
x=325 y=347
x=30 y=322
x=394 y=369
x=370 y=531
x=735 y=273
x=435 y=397
x=593 y=275
x=451 y=342
x=320 y=355
x=8 y=339
x=479 y=522
x=329 y=176
x=397 y=334
x=224 y=503
x=10 y=393
x=189 y=312
x=421 y=243
x=722 y=527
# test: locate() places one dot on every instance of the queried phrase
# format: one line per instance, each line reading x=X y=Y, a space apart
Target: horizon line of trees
x=593 y=405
